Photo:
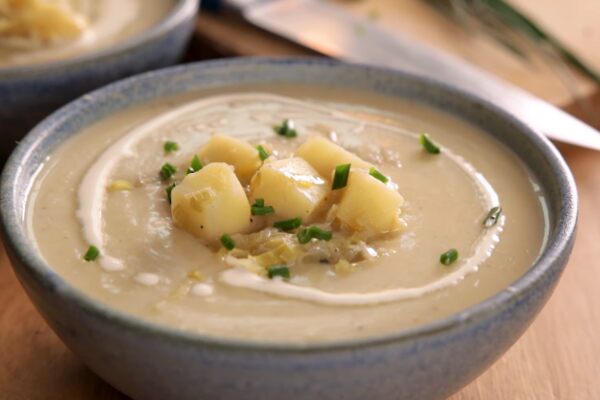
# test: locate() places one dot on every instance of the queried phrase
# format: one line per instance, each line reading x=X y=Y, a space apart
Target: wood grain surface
x=557 y=358
x=574 y=22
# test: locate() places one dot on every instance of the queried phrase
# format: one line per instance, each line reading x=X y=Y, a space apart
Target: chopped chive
x=262 y=153
x=259 y=208
x=449 y=257
x=286 y=129
x=195 y=165
x=428 y=145
x=378 y=175
x=288 y=224
x=170 y=147
x=340 y=178
x=91 y=254
x=313 y=232
x=169 y=189
x=492 y=217
x=262 y=210
x=167 y=171
x=227 y=242
x=279 y=270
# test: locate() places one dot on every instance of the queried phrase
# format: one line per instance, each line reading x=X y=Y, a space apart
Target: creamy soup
x=41 y=31
x=286 y=214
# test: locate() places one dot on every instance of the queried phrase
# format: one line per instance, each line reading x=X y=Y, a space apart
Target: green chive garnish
x=428 y=145
x=288 y=224
x=262 y=153
x=340 y=178
x=286 y=129
x=167 y=171
x=492 y=217
x=449 y=257
x=259 y=208
x=195 y=165
x=313 y=232
x=279 y=270
x=378 y=175
x=169 y=189
x=170 y=147
x=227 y=242
x=91 y=254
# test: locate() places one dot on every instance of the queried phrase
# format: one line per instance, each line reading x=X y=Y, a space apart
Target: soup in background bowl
x=53 y=51
x=297 y=228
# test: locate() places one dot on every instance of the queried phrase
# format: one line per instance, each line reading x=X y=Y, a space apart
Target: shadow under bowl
x=149 y=361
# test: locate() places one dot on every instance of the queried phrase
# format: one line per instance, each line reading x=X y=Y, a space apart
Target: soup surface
x=107 y=187
x=41 y=31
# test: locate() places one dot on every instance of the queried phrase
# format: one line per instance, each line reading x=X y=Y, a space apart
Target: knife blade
x=334 y=32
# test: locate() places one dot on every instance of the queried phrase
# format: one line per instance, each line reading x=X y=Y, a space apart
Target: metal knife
x=332 y=31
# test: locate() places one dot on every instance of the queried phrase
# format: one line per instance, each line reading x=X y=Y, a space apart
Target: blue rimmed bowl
x=149 y=361
x=29 y=93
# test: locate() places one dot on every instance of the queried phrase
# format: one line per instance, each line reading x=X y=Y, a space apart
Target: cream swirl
x=247 y=115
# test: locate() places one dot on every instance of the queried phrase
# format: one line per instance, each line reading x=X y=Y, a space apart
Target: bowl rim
x=180 y=11
x=558 y=244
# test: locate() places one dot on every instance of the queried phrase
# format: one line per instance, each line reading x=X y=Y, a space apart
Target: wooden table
x=574 y=22
x=557 y=358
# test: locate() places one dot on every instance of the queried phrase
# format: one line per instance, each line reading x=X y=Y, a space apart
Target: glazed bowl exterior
x=148 y=361
x=29 y=93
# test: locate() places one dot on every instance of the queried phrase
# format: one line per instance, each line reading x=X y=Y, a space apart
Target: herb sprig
x=168 y=190
x=512 y=29
x=195 y=165
x=280 y=270
x=286 y=129
x=340 y=176
x=378 y=175
x=449 y=257
x=492 y=217
x=170 y=146
x=167 y=171
x=313 y=232
x=262 y=153
x=288 y=224
x=92 y=253
x=428 y=145
x=227 y=242
x=259 y=208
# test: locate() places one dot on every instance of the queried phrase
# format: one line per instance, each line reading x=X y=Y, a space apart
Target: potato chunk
x=211 y=202
x=243 y=157
x=369 y=206
x=40 y=20
x=291 y=186
x=324 y=155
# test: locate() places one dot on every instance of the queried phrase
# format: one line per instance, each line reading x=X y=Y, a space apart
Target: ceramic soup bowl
x=150 y=361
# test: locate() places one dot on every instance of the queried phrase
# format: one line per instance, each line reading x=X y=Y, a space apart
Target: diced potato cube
x=324 y=155
x=243 y=156
x=369 y=205
x=291 y=186
x=211 y=202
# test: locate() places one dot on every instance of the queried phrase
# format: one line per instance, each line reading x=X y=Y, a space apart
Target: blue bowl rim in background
x=179 y=13
x=559 y=242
